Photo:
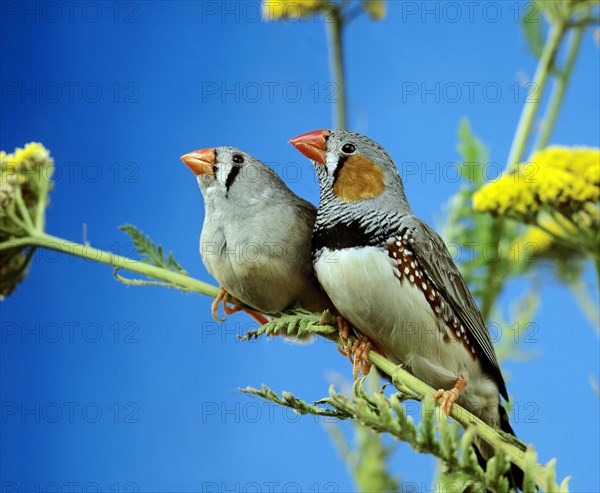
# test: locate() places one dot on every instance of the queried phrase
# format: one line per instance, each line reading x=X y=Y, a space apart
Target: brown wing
x=434 y=258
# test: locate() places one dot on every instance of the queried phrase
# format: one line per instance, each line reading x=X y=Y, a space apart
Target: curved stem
x=407 y=383
x=540 y=78
x=17 y=220
x=143 y=282
x=40 y=217
x=401 y=377
x=558 y=90
x=493 y=280
x=85 y=251
x=562 y=239
x=337 y=64
x=29 y=226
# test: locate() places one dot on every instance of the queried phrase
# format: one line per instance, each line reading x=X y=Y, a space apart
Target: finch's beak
x=201 y=162
x=312 y=145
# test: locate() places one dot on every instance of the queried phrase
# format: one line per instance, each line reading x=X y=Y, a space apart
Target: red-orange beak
x=312 y=144
x=201 y=162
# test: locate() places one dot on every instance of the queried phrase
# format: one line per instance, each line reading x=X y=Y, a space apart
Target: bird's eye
x=215 y=170
x=238 y=158
x=348 y=148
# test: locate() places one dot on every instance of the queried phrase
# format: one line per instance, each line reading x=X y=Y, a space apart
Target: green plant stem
x=540 y=79
x=20 y=224
x=336 y=27
x=563 y=240
x=558 y=90
x=406 y=383
x=180 y=281
x=494 y=281
x=40 y=213
x=23 y=209
x=402 y=379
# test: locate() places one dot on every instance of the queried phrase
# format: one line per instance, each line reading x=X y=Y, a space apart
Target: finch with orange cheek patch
x=391 y=276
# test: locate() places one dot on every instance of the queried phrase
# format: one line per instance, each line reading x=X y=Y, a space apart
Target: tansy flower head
x=557 y=178
x=24 y=184
x=274 y=10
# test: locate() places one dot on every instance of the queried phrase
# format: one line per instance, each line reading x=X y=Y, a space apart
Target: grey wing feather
x=431 y=252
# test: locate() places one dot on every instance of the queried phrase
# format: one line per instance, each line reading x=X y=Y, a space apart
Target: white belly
x=397 y=317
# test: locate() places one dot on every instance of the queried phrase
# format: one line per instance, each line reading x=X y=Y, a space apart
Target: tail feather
x=515 y=473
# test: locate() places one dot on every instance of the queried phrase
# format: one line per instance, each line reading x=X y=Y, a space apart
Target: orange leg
x=229 y=310
x=449 y=396
x=344 y=333
x=223 y=298
x=360 y=351
x=259 y=317
x=215 y=305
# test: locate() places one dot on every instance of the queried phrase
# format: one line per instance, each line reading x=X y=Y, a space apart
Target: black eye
x=238 y=158
x=348 y=149
x=215 y=170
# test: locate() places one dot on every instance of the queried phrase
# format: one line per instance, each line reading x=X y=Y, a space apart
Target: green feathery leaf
x=287 y=399
x=299 y=324
x=387 y=415
x=151 y=252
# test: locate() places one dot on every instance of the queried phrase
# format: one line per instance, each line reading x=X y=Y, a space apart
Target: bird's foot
x=223 y=298
x=214 y=309
x=359 y=351
x=449 y=396
x=344 y=333
x=359 y=354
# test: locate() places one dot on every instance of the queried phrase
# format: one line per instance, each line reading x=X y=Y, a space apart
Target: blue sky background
x=117 y=388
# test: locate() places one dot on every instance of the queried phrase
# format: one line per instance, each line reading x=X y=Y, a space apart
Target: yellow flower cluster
x=274 y=10
x=24 y=183
x=289 y=9
x=34 y=151
x=26 y=167
x=556 y=177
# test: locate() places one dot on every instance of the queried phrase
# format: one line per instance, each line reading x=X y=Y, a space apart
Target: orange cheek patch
x=360 y=178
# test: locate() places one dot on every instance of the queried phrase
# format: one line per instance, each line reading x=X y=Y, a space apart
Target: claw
x=360 y=351
x=230 y=310
x=214 y=309
x=260 y=318
x=344 y=333
x=449 y=396
x=223 y=297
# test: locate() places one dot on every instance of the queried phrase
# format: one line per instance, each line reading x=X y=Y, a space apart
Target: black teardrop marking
x=231 y=177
